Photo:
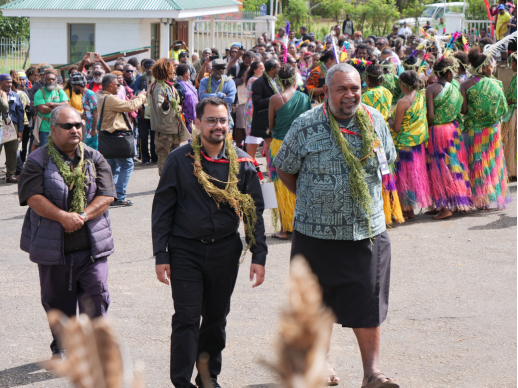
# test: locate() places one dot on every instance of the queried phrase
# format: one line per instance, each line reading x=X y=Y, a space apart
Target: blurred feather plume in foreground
x=304 y=332
x=93 y=358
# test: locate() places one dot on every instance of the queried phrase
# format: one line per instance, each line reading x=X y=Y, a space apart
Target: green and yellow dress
x=411 y=176
x=509 y=130
x=284 y=117
x=446 y=156
x=488 y=174
x=380 y=99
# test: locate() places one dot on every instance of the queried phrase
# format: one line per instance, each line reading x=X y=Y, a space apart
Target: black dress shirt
x=182 y=207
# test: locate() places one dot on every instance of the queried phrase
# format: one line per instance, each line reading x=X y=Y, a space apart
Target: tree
x=380 y=13
x=476 y=10
x=296 y=11
x=253 y=5
x=333 y=8
x=12 y=27
x=414 y=9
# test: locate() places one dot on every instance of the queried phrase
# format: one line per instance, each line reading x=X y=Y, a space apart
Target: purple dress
x=189 y=105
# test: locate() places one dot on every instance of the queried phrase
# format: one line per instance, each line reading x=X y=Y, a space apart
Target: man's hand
x=163 y=273
x=71 y=222
x=240 y=53
x=258 y=271
x=143 y=93
x=97 y=57
x=86 y=59
x=20 y=137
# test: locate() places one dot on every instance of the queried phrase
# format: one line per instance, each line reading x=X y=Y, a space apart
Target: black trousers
x=144 y=134
x=25 y=142
x=203 y=277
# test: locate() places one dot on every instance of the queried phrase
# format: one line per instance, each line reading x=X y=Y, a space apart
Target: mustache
x=98 y=80
x=50 y=86
x=349 y=100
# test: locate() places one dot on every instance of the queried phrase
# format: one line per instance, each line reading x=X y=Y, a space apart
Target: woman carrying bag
x=116 y=136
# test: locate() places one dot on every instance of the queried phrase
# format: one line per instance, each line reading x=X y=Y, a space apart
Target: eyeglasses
x=69 y=126
x=98 y=73
x=212 y=121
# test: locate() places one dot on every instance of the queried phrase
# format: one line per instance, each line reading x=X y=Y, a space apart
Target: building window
x=155 y=41
x=81 y=38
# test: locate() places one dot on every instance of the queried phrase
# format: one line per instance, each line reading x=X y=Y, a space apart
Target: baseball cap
x=183 y=54
x=501 y=6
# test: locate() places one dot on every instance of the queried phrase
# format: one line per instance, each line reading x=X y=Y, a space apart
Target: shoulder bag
x=118 y=144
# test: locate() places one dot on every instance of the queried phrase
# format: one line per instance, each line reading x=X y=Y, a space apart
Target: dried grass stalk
x=305 y=331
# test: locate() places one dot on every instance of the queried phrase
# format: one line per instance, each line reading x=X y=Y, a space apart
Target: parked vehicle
x=433 y=13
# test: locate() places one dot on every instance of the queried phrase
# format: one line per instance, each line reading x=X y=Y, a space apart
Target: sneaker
x=123 y=203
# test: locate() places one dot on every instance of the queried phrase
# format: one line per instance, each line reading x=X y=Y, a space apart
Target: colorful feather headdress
x=360 y=64
x=491 y=50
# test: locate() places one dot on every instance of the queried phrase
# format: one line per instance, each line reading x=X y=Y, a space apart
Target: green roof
x=116 y=5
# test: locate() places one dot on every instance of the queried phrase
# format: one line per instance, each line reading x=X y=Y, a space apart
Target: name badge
x=382 y=158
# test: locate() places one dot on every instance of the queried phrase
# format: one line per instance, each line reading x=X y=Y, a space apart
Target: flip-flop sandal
x=374 y=382
x=277 y=237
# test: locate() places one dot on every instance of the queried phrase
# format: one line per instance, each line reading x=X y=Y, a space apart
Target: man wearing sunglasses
x=197 y=246
x=71 y=248
x=97 y=80
x=218 y=84
x=128 y=72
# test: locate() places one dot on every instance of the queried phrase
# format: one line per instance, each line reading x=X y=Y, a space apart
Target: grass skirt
x=391 y=205
x=412 y=179
x=488 y=174
x=285 y=199
x=509 y=142
x=447 y=164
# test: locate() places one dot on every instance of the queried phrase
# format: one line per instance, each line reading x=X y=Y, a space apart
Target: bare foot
x=280 y=235
x=444 y=213
x=332 y=378
x=432 y=211
x=379 y=380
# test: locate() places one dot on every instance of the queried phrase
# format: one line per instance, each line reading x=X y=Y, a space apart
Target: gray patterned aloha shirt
x=324 y=207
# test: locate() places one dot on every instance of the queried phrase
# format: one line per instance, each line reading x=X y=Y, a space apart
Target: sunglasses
x=212 y=121
x=128 y=71
x=69 y=126
x=233 y=52
x=97 y=73
x=218 y=67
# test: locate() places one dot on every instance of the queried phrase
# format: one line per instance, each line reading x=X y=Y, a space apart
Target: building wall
x=49 y=37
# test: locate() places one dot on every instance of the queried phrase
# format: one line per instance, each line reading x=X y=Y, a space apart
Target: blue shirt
x=16 y=109
x=228 y=93
x=324 y=208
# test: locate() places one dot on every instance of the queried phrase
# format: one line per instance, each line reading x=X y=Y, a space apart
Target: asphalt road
x=451 y=323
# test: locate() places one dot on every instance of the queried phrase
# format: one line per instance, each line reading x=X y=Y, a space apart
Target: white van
x=433 y=13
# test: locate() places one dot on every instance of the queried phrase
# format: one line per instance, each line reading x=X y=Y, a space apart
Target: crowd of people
x=357 y=133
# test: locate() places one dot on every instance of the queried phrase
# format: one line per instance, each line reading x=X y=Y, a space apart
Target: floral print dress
x=89 y=106
x=249 y=107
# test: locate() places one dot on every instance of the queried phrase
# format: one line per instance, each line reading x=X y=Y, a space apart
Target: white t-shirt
x=406 y=30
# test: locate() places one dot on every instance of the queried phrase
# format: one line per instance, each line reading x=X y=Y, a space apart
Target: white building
x=63 y=31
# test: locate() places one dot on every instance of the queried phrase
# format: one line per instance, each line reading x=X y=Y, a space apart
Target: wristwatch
x=83 y=216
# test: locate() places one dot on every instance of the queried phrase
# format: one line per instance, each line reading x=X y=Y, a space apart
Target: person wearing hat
x=176 y=48
x=145 y=132
x=184 y=58
x=47 y=99
x=358 y=37
x=218 y=84
x=88 y=107
x=501 y=29
x=15 y=113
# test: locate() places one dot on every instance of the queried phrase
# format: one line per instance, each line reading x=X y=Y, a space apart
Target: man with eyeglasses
x=70 y=240
x=312 y=47
x=197 y=245
x=47 y=99
x=112 y=117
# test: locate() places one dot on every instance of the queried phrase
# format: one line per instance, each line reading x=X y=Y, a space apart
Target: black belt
x=212 y=240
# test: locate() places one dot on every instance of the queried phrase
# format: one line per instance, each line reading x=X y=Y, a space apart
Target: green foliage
x=476 y=10
x=296 y=11
x=12 y=27
x=379 y=14
x=414 y=9
x=253 y=5
x=333 y=8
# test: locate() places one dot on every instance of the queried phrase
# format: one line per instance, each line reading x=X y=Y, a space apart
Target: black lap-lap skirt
x=354 y=276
